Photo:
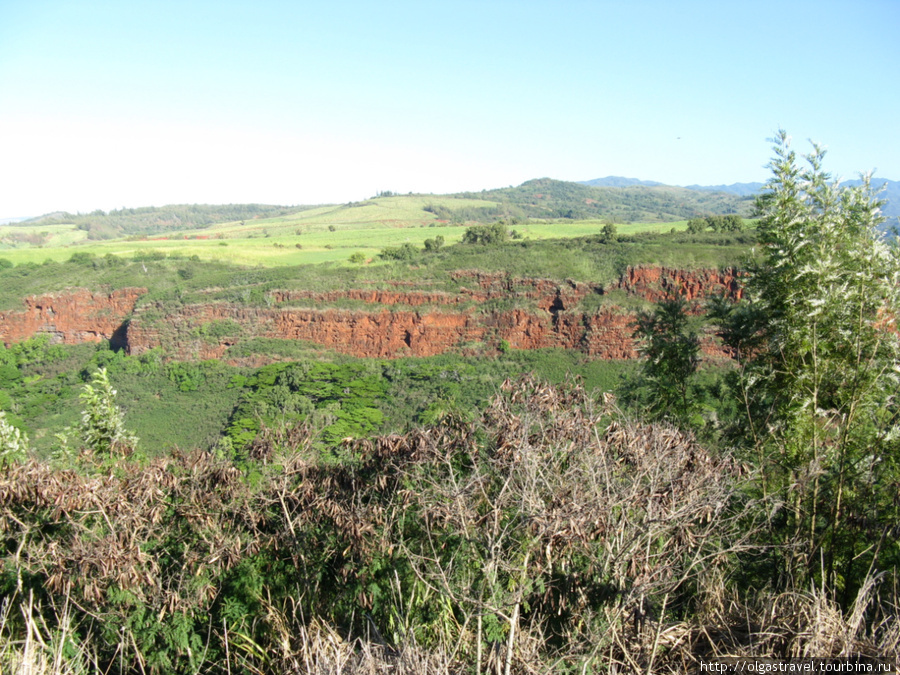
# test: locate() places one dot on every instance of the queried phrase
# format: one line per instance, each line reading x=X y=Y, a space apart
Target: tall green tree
x=819 y=355
x=671 y=350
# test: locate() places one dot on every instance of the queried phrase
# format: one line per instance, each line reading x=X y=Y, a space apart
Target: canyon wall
x=392 y=323
x=72 y=316
x=386 y=333
x=654 y=283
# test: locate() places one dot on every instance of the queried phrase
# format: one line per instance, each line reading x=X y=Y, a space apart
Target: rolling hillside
x=155 y=220
x=541 y=199
x=548 y=198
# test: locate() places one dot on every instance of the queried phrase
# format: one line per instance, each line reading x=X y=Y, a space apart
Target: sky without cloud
x=112 y=104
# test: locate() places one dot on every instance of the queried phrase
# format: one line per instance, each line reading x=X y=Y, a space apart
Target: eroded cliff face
x=72 y=316
x=546 y=293
x=418 y=323
x=390 y=334
x=653 y=283
x=392 y=323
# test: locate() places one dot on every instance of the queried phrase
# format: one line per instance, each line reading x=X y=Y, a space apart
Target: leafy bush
x=81 y=258
x=716 y=223
x=486 y=235
x=434 y=245
x=102 y=423
x=217 y=329
x=13 y=443
x=670 y=347
x=404 y=252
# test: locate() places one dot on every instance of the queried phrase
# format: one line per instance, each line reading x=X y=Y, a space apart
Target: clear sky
x=105 y=104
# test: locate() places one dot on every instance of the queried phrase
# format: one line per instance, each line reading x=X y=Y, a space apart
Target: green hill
x=541 y=199
x=548 y=198
x=156 y=220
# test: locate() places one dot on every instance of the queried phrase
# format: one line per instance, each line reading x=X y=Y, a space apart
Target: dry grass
x=39 y=648
x=551 y=535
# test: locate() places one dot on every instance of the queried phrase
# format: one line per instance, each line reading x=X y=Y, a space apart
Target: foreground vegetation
x=549 y=534
x=547 y=531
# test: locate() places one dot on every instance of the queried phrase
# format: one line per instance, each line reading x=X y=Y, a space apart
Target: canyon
x=530 y=313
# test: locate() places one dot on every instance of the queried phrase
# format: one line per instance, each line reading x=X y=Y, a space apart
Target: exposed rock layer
x=389 y=327
x=72 y=316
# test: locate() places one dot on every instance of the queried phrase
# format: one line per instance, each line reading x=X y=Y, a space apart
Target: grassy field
x=244 y=274
x=326 y=234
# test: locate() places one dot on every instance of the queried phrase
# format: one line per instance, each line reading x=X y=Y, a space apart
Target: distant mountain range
x=619 y=182
x=739 y=189
x=891 y=193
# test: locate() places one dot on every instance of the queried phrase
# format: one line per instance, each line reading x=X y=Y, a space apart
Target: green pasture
x=383 y=212
x=276 y=242
x=586 y=228
x=50 y=235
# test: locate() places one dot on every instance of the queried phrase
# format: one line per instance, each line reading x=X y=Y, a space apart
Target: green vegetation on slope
x=548 y=198
x=337 y=396
x=152 y=220
x=177 y=276
x=276 y=235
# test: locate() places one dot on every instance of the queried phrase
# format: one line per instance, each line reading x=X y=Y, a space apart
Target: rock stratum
x=489 y=311
x=72 y=316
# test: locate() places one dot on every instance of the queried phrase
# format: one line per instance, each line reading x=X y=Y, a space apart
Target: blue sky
x=111 y=104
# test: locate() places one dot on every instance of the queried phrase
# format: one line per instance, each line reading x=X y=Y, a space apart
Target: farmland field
x=324 y=234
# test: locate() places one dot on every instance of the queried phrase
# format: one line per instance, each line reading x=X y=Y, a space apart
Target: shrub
x=13 y=443
x=434 y=245
x=102 y=423
x=486 y=235
x=405 y=252
x=608 y=233
x=671 y=350
x=81 y=258
x=516 y=536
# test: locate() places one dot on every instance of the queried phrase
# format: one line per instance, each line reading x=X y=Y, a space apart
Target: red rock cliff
x=435 y=322
x=72 y=316
x=654 y=283
x=389 y=334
